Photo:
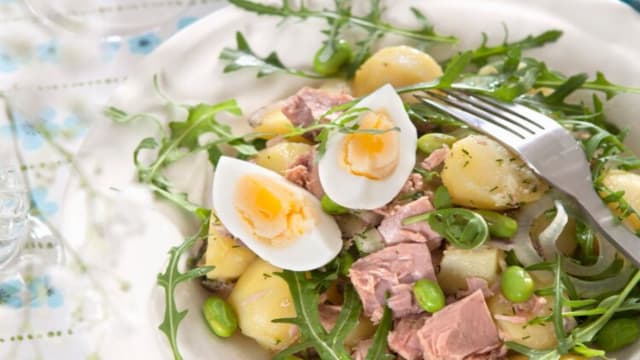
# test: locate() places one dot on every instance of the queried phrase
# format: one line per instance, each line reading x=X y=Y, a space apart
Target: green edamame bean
x=330 y=207
x=431 y=142
x=429 y=295
x=331 y=57
x=292 y=357
x=499 y=225
x=220 y=316
x=517 y=284
x=618 y=333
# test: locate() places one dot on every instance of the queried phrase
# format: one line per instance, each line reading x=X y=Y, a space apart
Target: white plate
x=599 y=35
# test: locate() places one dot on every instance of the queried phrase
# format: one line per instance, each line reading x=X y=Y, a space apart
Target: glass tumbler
x=14 y=213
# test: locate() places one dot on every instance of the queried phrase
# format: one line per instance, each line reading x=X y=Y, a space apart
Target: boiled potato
x=536 y=336
x=459 y=264
x=270 y=122
x=260 y=297
x=281 y=156
x=481 y=173
x=228 y=256
x=398 y=66
x=618 y=180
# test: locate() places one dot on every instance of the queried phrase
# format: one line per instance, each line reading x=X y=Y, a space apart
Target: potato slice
x=398 y=66
x=260 y=297
x=618 y=180
x=229 y=257
x=459 y=264
x=280 y=157
x=479 y=172
x=536 y=336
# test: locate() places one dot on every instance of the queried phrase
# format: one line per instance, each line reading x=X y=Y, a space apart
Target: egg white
x=316 y=247
x=360 y=192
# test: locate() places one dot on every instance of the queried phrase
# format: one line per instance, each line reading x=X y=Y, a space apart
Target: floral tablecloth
x=52 y=84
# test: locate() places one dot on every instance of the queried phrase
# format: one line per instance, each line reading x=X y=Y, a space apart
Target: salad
x=355 y=222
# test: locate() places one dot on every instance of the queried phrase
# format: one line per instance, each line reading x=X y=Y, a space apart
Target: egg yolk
x=372 y=155
x=274 y=214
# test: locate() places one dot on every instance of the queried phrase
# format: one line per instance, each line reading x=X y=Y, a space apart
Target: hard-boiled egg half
x=366 y=170
x=279 y=221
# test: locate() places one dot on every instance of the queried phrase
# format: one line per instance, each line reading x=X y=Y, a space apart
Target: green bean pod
x=331 y=207
x=221 y=318
x=429 y=295
x=499 y=225
x=330 y=58
x=431 y=142
x=517 y=285
x=618 y=333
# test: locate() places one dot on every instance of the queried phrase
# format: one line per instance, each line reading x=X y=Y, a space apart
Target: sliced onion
x=549 y=236
x=522 y=245
x=592 y=289
x=606 y=257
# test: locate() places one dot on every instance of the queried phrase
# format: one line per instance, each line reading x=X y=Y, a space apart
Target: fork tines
x=505 y=121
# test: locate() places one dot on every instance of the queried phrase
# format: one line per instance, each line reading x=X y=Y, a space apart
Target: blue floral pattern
x=37 y=292
x=48 y=52
x=144 y=44
x=186 y=21
x=41 y=293
x=43 y=205
x=7 y=62
x=11 y=293
x=109 y=48
x=29 y=137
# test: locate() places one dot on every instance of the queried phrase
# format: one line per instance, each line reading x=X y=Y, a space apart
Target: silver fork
x=546 y=147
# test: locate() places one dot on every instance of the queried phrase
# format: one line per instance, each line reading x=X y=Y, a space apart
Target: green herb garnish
x=170 y=279
x=463 y=228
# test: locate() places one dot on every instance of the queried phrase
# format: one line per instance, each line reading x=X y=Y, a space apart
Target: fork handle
x=602 y=219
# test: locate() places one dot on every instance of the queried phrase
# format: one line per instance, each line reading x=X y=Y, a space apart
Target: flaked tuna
x=310 y=104
x=393 y=231
x=304 y=173
x=404 y=340
x=461 y=331
x=391 y=272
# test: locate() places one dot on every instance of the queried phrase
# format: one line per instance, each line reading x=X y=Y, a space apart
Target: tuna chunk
x=461 y=331
x=404 y=338
x=304 y=173
x=360 y=351
x=435 y=159
x=392 y=270
x=414 y=183
x=309 y=104
x=394 y=232
x=474 y=284
x=329 y=315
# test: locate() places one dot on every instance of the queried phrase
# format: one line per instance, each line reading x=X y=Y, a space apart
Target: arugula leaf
x=169 y=280
x=370 y=22
x=122 y=117
x=378 y=349
x=565 y=89
x=599 y=84
x=242 y=57
x=484 y=52
x=454 y=68
x=328 y=345
x=558 y=320
x=186 y=134
x=146 y=144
